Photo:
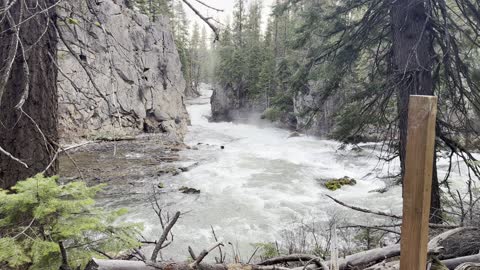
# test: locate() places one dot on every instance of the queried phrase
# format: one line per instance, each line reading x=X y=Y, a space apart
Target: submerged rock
x=189 y=190
x=294 y=134
x=169 y=170
x=337 y=183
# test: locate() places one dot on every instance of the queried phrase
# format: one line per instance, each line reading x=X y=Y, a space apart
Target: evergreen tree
x=155 y=8
x=194 y=48
x=180 y=26
x=40 y=219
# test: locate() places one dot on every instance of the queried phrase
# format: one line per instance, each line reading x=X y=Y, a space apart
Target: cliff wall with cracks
x=119 y=73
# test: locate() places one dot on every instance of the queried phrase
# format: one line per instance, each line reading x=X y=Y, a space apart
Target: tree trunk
x=28 y=133
x=412 y=64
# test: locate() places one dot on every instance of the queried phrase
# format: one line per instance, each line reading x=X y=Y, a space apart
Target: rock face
x=309 y=113
x=230 y=103
x=119 y=73
x=224 y=103
x=314 y=115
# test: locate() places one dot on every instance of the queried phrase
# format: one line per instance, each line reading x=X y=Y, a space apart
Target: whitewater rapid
x=264 y=182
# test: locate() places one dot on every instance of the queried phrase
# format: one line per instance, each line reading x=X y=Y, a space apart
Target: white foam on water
x=263 y=181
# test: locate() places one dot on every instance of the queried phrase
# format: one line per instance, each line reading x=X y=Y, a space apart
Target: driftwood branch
x=295 y=258
x=204 y=253
x=162 y=239
x=454 y=263
x=192 y=253
x=221 y=260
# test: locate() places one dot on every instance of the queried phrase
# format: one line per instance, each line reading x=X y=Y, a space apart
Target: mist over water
x=262 y=183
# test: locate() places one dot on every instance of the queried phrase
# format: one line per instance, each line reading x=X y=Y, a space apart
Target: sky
x=226 y=5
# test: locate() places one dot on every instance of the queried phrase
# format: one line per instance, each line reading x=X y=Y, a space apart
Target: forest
x=240 y=134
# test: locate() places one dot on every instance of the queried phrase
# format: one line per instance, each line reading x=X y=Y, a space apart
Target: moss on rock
x=337 y=183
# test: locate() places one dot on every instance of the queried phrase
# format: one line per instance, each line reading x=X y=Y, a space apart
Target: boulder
x=189 y=190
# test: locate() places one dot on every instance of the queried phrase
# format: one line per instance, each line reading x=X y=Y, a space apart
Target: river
x=264 y=182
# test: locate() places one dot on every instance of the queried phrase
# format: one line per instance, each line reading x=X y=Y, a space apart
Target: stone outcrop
x=231 y=103
x=224 y=103
x=309 y=113
x=314 y=114
x=124 y=75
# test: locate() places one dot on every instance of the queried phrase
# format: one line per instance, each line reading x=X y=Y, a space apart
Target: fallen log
x=296 y=258
x=454 y=263
x=461 y=263
x=377 y=255
x=459 y=242
x=99 y=264
x=369 y=257
x=468 y=266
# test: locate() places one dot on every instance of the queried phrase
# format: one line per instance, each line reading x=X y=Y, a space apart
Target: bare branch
x=210 y=7
x=12 y=157
x=11 y=55
x=162 y=239
x=204 y=254
x=378 y=213
x=206 y=20
x=192 y=253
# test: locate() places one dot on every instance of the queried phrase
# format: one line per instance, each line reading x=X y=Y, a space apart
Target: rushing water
x=262 y=183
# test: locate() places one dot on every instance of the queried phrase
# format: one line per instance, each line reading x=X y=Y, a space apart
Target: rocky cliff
x=225 y=103
x=230 y=103
x=314 y=114
x=306 y=112
x=119 y=73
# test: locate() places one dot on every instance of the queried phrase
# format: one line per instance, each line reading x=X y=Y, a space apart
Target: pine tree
x=195 y=58
x=239 y=18
x=155 y=8
x=40 y=216
x=180 y=26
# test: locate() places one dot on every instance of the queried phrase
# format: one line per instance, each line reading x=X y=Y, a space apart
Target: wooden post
x=417 y=183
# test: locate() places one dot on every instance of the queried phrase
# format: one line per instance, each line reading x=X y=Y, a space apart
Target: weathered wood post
x=417 y=183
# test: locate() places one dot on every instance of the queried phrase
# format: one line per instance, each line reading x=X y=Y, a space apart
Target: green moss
x=337 y=183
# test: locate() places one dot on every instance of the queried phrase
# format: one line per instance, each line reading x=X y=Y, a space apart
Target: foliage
x=155 y=8
x=40 y=213
x=368 y=238
x=267 y=250
x=273 y=114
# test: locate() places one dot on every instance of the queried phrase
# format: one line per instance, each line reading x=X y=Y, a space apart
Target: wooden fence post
x=417 y=183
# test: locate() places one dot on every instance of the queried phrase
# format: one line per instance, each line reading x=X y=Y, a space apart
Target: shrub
x=39 y=214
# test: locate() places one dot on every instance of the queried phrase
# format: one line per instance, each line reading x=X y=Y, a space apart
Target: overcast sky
x=226 y=5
